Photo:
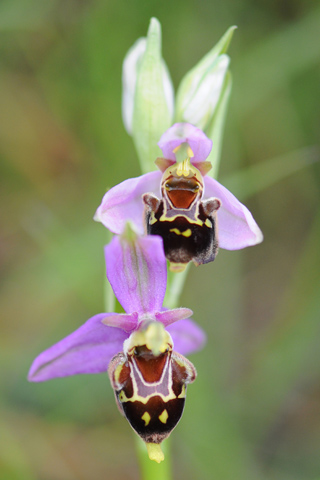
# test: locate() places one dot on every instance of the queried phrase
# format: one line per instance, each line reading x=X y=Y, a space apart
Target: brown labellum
x=187 y=224
x=150 y=389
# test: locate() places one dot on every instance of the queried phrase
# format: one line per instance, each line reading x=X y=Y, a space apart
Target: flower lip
x=150 y=389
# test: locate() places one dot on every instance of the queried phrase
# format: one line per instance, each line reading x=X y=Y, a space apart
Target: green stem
x=109 y=297
x=175 y=286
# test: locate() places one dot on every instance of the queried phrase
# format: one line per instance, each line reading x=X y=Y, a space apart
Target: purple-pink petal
x=179 y=133
x=168 y=317
x=127 y=322
x=187 y=336
x=123 y=202
x=137 y=272
x=88 y=349
x=236 y=225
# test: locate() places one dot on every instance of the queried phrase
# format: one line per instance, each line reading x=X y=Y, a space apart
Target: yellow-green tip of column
x=155 y=453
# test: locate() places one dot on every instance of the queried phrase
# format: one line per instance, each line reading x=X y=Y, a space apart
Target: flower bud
x=149 y=380
x=148 y=98
x=200 y=89
x=130 y=69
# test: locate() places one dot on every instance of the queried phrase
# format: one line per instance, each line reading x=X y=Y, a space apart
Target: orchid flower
x=234 y=225
x=149 y=377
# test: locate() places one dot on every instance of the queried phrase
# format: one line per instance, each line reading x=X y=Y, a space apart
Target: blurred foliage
x=254 y=411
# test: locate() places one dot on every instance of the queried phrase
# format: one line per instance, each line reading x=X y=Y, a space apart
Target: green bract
x=203 y=94
x=215 y=127
x=151 y=111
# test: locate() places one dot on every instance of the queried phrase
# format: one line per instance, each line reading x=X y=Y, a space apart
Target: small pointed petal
x=88 y=349
x=137 y=272
x=127 y=322
x=237 y=227
x=163 y=163
x=180 y=133
x=123 y=202
x=168 y=317
x=187 y=336
x=204 y=167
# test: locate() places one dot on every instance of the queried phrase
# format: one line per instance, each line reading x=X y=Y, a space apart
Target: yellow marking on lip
x=196 y=221
x=152 y=219
x=183 y=392
x=122 y=396
x=146 y=418
x=117 y=372
x=187 y=233
x=208 y=223
x=175 y=230
x=164 y=416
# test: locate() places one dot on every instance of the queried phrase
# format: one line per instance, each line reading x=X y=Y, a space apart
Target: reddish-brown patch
x=151 y=367
x=182 y=198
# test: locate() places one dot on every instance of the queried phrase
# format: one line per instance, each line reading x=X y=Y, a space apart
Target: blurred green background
x=254 y=411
